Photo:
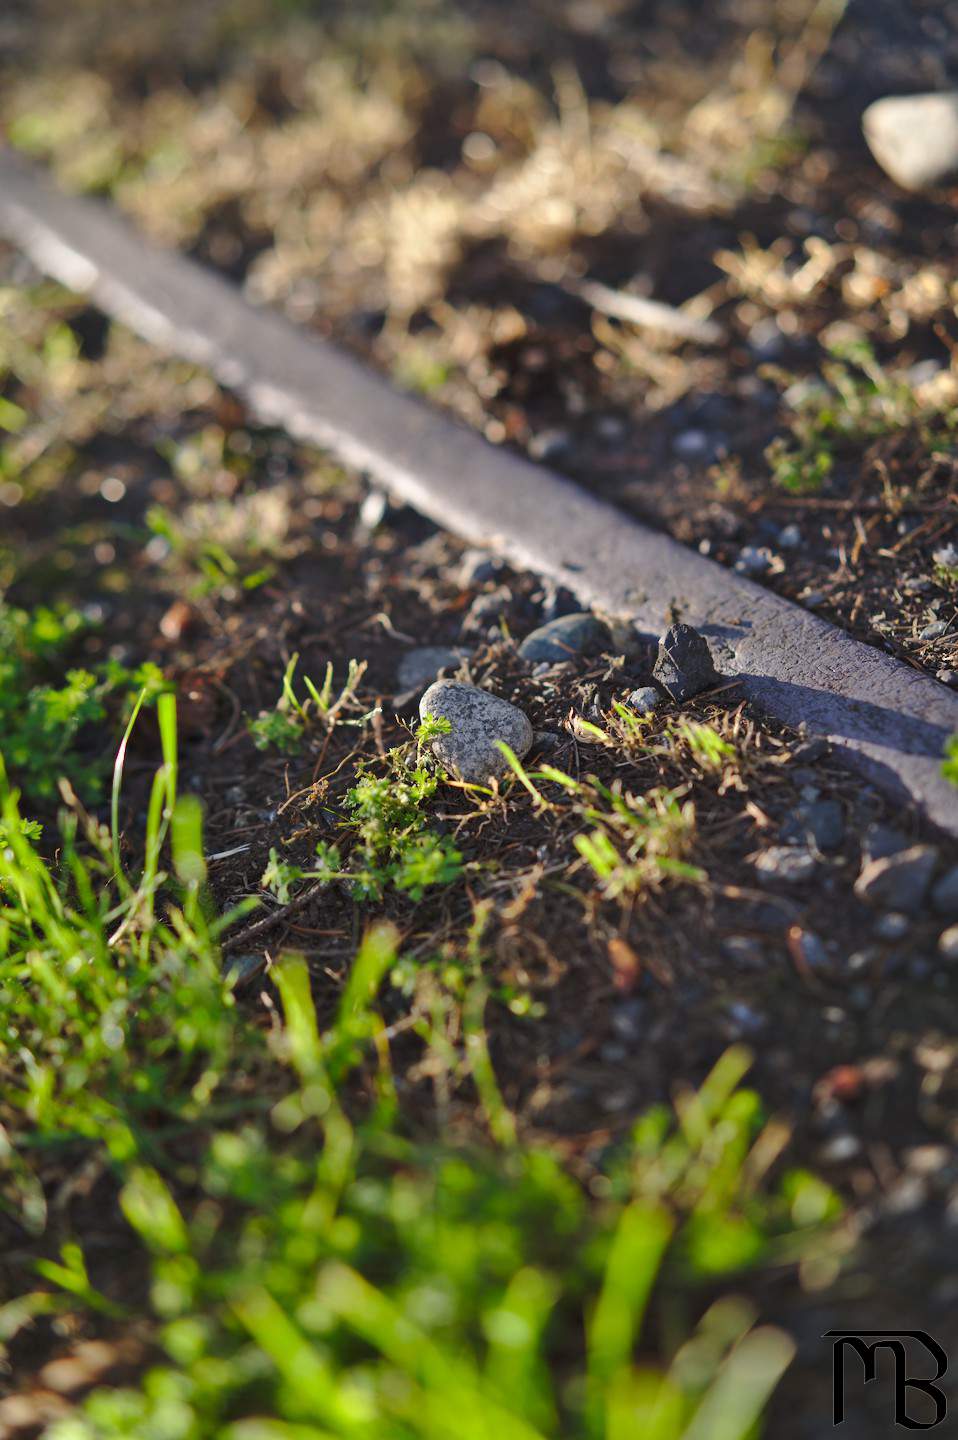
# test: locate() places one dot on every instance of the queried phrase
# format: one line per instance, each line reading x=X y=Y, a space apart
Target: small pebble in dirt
x=948 y=943
x=477 y=567
x=790 y=537
x=839 y=1148
x=892 y=926
x=934 y=630
x=745 y=1020
x=812 y=950
x=944 y=895
x=818 y=821
x=914 y=138
x=881 y=841
x=372 y=511
x=628 y=1019
x=744 y=951
x=646 y=699
x=785 y=865
x=549 y=444
x=486 y=609
x=419 y=667
x=898 y=882
x=684 y=665
x=565 y=638
x=754 y=560
x=947 y=556
x=478 y=720
x=947 y=677
x=693 y=445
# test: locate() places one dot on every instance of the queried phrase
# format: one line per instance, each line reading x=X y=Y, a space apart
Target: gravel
x=914 y=138
x=684 y=665
x=478 y=721
x=898 y=882
x=565 y=638
x=948 y=943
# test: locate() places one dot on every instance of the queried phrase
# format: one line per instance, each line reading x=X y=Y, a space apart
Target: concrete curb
x=888 y=721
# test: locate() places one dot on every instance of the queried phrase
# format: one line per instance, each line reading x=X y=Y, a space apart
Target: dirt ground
x=604 y=1005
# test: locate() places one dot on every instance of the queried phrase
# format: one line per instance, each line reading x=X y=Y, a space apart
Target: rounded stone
x=565 y=638
x=914 y=138
x=478 y=720
x=898 y=882
x=818 y=821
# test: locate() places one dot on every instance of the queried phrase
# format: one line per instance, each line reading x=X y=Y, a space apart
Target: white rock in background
x=914 y=138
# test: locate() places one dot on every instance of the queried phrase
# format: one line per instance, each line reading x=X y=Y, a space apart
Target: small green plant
x=704 y=744
x=856 y=401
x=430 y=728
x=392 y=843
x=639 y=840
x=949 y=767
x=285 y=727
x=43 y=724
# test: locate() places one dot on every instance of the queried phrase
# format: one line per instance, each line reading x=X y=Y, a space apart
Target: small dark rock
x=684 y=665
x=419 y=668
x=812 y=950
x=744 y=951
x=944 y=896
x=820 y=822
x=891 y=926
x=564 y=638
x=629 y=1020
x=556 y=601
x=754 y=560
x=881 y=841
x=900 y=881
x=809 y=751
